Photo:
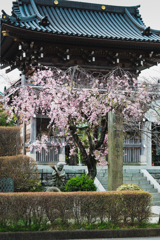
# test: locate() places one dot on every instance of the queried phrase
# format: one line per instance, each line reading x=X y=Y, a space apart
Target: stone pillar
x=62 y=151
x=143 y=160
x=23 y=79
x=115 y=150
x=33 y=136
x=148 y=150
x=24 y=138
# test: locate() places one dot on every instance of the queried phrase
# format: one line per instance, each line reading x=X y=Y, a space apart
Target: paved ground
x=153 y=219
x=155 y=214
x=139 y=238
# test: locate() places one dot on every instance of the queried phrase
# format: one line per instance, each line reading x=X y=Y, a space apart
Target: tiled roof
x=81 y=19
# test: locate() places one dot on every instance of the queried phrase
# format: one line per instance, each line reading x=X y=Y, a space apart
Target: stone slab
x=80 y=234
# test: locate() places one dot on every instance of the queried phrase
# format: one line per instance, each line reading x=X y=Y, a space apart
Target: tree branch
x=103 y=133
x=91 y=148
x=78 y=142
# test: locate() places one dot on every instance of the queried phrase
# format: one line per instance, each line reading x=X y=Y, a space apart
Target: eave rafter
x=37 y=50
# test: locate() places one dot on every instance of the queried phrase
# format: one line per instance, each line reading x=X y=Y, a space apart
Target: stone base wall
x=46 y=179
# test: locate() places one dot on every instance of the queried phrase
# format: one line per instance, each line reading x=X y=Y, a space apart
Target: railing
x=132 y=150
x=46 y=175
x=132 y=141
x=52 y=155
x=132 y=155
x=52 y=139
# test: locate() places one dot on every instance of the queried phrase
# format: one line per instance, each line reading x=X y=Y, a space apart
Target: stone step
x=137 y=181
x=156 y=195
x=101 y=175
x=134 y=178
x=131 y=171
x=154 y=171
x=126 y=178
x=102 y=179
x=105 y=186
x=148 y=189
x=133 y=174
x=102 y=171
x=151 y=190
x=138 y=178
x=156 y=198
x=155 y=203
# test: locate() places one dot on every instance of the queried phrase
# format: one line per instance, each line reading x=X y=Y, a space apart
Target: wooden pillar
x=24 y=138
x=115 y=150
x=33 y=133
x=23 y=82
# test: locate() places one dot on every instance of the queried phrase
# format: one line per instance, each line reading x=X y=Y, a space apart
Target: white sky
x=149 y=10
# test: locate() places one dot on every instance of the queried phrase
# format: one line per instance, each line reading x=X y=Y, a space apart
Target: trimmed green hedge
x=39 y=208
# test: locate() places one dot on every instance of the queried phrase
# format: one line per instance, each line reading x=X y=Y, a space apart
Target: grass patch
x=21 y=226
x=58 y=225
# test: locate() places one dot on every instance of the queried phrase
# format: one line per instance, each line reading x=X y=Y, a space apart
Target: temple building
x=64 y=33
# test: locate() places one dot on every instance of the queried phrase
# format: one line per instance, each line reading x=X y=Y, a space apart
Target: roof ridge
x=83 y=5
x=88 y=20
x=15 y=9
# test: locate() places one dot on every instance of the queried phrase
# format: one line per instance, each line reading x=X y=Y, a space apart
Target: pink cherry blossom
x=71 y=106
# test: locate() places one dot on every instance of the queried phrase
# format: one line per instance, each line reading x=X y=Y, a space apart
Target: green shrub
x=129 y=187
x=23 y=170
x=83 y=183
x=62 y=189
x=35 y=186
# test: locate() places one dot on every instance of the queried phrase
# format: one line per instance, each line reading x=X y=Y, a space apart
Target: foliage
x=82 y=183
x=10 y=141
x=35 y=186
x=21 y=227
x=62 y=188
x=38 y=209
x=23 y=170
x=59 y=225
x=129 y=187
x=76 y=98
x=4 y=119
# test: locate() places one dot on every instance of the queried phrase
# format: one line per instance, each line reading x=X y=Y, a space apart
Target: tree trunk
x=92 y=168
x=89 y=160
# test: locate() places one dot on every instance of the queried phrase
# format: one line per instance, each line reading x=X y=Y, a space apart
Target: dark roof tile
x=81 y=19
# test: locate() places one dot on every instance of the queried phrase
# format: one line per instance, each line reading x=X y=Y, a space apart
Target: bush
x=35 y=186
x=23 y=170
x=39 y=208
x=10 y=142
x=83 y=183
x=129 y=187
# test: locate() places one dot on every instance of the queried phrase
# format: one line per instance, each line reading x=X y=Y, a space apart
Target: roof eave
x=26 y=34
